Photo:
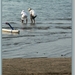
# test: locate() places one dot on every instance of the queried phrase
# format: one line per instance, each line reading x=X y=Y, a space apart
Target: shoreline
x=58 y=48
x=36 y=66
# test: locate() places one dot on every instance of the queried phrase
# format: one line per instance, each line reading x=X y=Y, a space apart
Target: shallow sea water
x=53 y=26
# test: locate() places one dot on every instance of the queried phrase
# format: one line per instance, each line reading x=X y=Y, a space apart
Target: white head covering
x=29 y=9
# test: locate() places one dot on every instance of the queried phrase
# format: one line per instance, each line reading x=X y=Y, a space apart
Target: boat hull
x=10 y=31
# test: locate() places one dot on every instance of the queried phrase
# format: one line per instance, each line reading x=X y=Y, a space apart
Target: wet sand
x=36 y=66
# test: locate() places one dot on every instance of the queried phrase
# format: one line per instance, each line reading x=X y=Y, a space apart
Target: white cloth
x=32 y=12
x=23 y=13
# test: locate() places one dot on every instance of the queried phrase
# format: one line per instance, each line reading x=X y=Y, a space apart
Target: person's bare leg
x=34 y=20
x=26 y=20
x=22 y=21
x=31 y=20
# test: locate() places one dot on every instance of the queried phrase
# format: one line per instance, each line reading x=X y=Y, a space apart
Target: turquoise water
x=53 y=23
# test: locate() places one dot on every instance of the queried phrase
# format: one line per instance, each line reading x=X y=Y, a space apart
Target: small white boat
x=10 y=31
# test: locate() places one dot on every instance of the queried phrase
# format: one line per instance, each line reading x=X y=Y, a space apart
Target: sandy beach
x=36 y=66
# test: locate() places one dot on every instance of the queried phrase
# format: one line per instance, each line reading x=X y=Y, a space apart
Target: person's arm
x=21 y=13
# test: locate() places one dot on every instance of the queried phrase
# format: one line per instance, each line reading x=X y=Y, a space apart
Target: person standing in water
x=24 y=16
x=32 y=15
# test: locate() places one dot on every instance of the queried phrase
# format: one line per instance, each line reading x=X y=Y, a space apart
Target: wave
x=39 y=27
x=34 y=35
x=68 y=27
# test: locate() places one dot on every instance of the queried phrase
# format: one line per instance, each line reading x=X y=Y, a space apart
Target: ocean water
x=53 y=24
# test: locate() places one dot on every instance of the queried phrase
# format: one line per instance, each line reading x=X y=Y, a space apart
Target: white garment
x=32 y=12
x=23 y=13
